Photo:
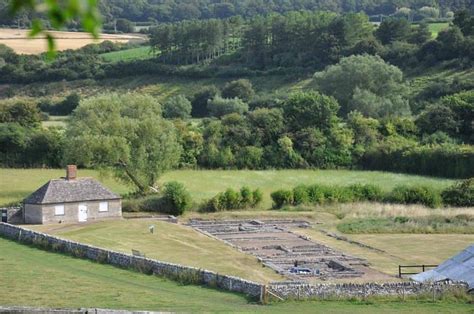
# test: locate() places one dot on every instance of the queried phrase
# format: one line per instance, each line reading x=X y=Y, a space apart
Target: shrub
x=219 y=107
x=366 y=192
x=281 y=198
x=257 y=196
x=231 y=199
x=174 y=201
x=132 y=205
x=336 y=194
x=177 y=107
x=415 y=195
x=316 y=194
x=300 y=195
x=460 y=194
x=246 y=196
x=176 y=195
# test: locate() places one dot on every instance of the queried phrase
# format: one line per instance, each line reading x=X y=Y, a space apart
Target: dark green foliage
x=445 y=160
x=219 y=107
x=460 y=194
x=422 y=195
x=282 y=198
x=177 y=107
x=201 y=99
x=242 y=89
x=175 y=200
x=124 y=26
x=303 y=110
x=63 y=108
x=178 y=198
x=24 y=113
x=300 y=195
x=393 y=29
x=366 y=192
x=231 y=200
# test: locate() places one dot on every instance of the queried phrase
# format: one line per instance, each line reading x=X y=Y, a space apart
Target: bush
x=174 y=201
x=176 y=195
x=257 y=196
x=415 y=195
x=281 y=198
x=460 y=194
x=231 y=199
x=366 y=192
x=300 y=195
x=177 y=107
x=316 y=194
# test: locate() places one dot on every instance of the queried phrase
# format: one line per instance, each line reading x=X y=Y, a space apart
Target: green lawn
x=15 y=184
x=170 y=242
x=205 y=184
x=54 y=121
x=30 y=277
x=435 y=28
x=128 y=54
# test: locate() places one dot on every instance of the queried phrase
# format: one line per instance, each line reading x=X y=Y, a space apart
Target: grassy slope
x=170 y=242
x=16 y=184
x=435 y=28
x=35 y=278
x=138 y=53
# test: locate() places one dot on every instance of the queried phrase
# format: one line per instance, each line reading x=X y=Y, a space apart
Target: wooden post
x=263 y=294
x=399 y=271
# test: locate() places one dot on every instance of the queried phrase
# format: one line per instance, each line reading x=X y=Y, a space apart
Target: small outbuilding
x=70 y=200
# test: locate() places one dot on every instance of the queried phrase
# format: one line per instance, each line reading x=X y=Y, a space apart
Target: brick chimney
x=71 y=172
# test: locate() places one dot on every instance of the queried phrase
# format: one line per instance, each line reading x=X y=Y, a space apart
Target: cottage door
x=82 y=213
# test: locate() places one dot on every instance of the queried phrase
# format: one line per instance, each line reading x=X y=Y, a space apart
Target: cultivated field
x=15 y=184
x=31 y=277
x=138 y=53
x=18 y=40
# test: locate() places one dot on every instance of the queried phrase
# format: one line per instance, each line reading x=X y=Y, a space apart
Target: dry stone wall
x=295 y=290
x=145 y=265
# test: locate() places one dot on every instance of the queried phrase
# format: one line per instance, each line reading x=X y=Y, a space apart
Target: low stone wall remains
x=185 y=274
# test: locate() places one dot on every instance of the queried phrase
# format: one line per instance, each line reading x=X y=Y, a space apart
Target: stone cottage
x=70 y=200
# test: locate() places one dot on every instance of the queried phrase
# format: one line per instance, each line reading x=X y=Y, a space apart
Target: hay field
x=18 y=40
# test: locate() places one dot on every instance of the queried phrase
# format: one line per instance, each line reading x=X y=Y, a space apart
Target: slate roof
x=457 y=268
x=69 y=191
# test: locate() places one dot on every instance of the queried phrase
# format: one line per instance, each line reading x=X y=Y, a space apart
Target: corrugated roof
x=68 y=191
x=457 y=268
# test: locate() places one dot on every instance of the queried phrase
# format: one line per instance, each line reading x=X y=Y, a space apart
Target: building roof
x=457 y=268
x=69 y=191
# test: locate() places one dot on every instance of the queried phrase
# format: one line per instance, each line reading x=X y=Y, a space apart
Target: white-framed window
x=104 y=207
x=59 y=210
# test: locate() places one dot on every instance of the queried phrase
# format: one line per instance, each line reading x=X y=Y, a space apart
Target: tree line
x=153 y=11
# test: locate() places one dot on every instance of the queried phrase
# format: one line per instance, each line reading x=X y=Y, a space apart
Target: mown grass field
x=31 y=277
x=138 y=53
x=170 y=242
x=15 y=184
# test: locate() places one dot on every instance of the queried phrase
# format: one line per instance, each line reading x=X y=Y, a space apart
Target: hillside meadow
x=16 y=184
x=103 y=286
